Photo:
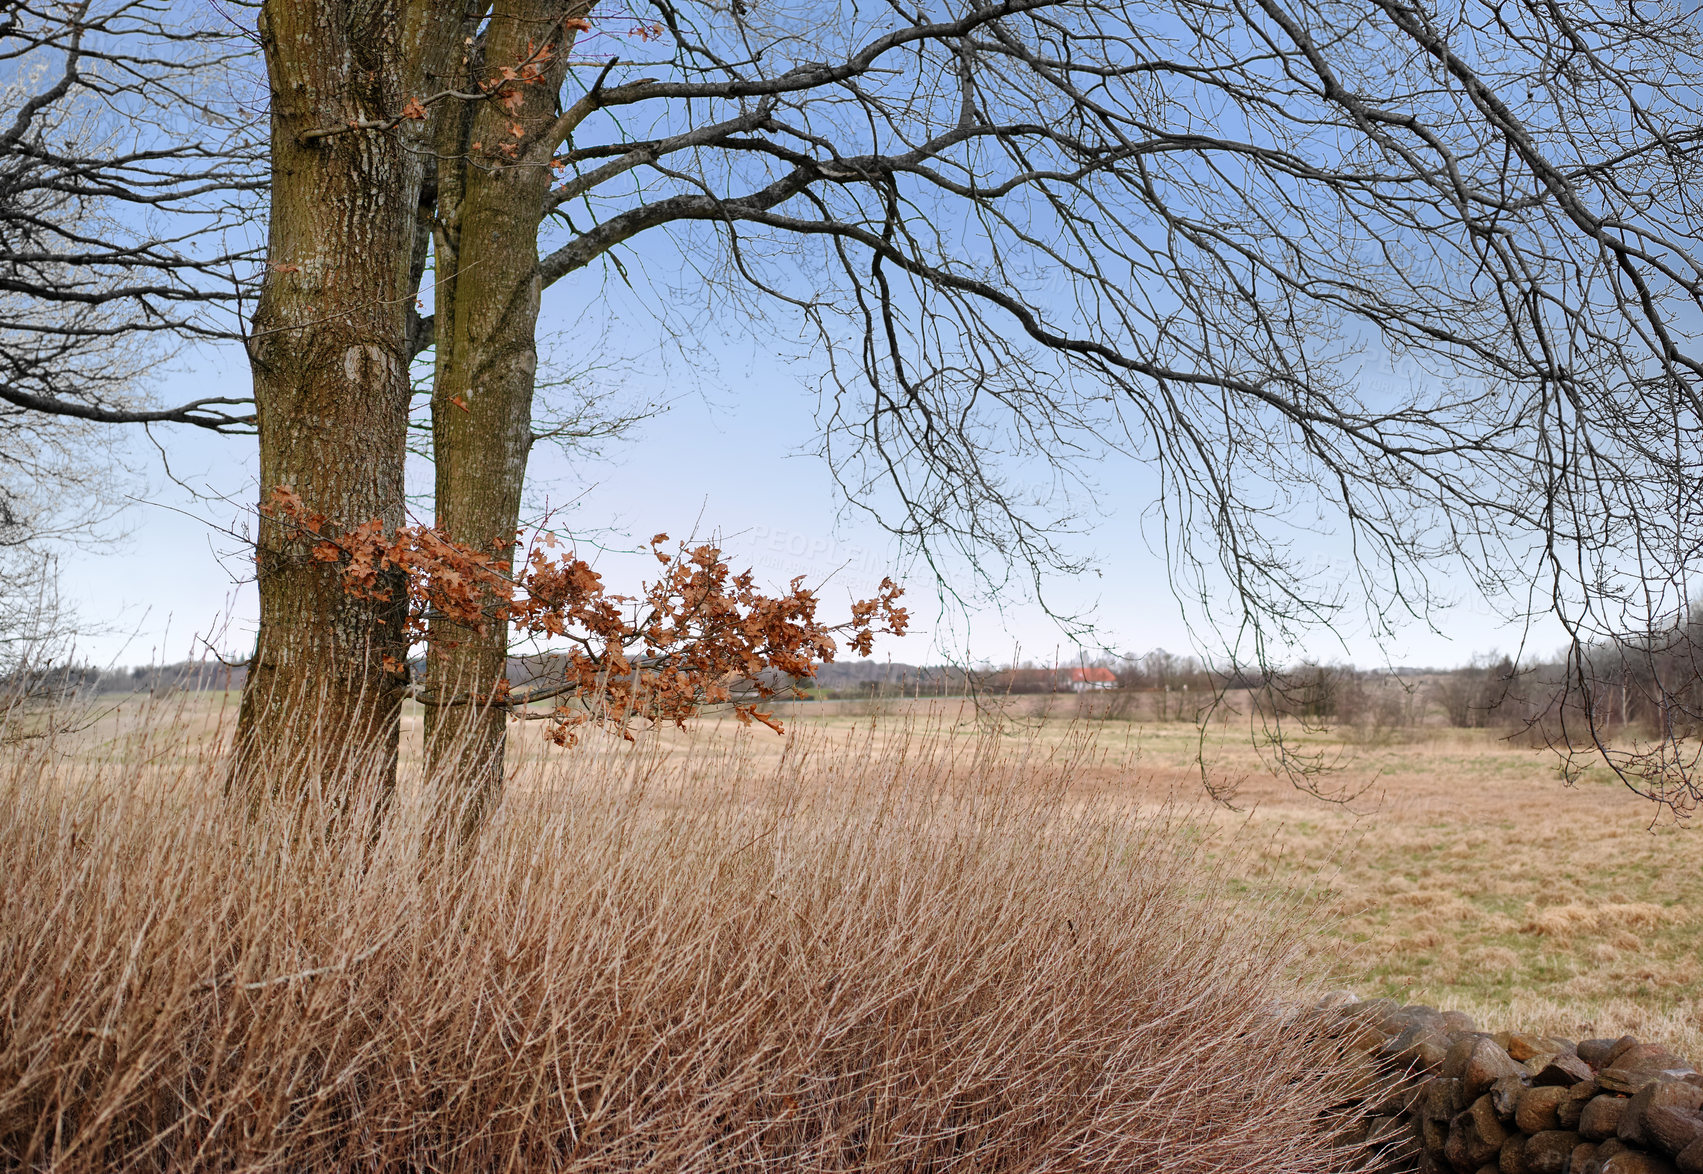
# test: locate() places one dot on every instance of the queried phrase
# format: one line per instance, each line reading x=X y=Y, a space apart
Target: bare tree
x=132 y=178
x=351 y=84
x=1424 y=281
x=129 y=187
x=492 y=180
x=1419 y=280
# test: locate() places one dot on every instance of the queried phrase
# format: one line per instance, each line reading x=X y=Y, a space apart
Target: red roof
x=1094 y=676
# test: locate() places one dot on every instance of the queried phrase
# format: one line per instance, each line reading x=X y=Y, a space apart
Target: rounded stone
x=1549 y=1152
x=1540 y=1109
x=1666 y=1094
x=1485 y=1064
x=1634 y=1162
x=1601 y=1116
x=1512 y=1159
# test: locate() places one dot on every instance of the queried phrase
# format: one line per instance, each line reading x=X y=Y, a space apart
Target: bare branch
x=200 y=413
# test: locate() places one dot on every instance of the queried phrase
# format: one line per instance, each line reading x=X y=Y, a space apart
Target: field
x=859 y=951
x=1466 y=874
x=898 y=935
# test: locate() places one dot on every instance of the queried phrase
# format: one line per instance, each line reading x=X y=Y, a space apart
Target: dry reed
x=919 y=956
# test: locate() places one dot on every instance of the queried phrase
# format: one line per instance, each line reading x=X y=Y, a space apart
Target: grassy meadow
x=902 y=936
x=1459 y=869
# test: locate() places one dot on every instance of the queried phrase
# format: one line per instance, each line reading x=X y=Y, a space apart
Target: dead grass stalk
x=921 y=958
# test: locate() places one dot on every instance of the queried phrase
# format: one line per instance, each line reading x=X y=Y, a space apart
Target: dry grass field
x=664 y=915
x=1466 y=874
x=1469 y=876
x=860 y=951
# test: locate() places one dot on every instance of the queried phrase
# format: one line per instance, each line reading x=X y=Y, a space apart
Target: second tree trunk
x=492 y=186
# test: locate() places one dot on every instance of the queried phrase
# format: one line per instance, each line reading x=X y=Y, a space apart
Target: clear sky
x=731 y=457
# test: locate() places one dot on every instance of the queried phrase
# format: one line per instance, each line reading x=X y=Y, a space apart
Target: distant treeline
x=1654 y=684
x=1486 y=693
x=67 y=680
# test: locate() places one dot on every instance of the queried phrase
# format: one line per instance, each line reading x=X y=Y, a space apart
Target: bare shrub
x=913 y=955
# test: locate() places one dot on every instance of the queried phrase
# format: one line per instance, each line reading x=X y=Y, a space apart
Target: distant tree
x=128 y=188
x=1634 y=700
x=1481 y=694
x=130 y=178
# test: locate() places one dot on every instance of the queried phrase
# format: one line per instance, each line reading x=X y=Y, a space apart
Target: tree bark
x=492 y=187
x=328 y=352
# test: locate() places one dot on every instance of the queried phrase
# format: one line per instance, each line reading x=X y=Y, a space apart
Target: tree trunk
x=328 y=351
x=491 y=191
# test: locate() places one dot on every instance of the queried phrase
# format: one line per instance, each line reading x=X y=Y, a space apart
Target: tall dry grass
x=918 y=957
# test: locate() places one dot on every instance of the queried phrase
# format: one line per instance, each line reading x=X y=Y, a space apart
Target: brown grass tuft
x=912 y=958
x=1564 y=921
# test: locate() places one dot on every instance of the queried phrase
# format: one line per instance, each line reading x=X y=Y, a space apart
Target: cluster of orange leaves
x=694 y=637
x=505 y=84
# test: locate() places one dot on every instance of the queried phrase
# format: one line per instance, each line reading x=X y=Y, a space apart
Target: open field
x=862 y=951
x=1465 y=874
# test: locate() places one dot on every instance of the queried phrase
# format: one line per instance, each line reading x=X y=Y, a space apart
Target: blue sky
x=732 y=457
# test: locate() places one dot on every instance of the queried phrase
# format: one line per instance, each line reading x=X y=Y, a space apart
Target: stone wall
x=1442 y=1096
